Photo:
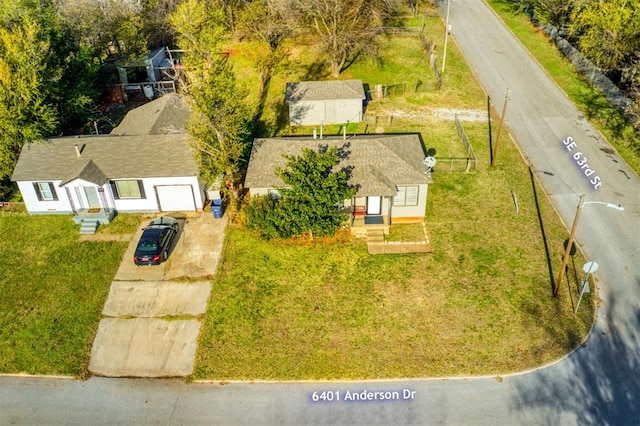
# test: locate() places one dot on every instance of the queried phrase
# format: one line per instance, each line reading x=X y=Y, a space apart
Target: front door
x=374 y=205
x=92 y=196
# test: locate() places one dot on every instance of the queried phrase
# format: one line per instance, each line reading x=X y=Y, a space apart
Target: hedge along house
x=313 y=103
x=387 y=170
x=93 y=177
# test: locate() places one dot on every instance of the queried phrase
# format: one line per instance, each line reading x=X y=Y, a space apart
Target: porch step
x=375 y=241
x=375 y=236
x=89 y=226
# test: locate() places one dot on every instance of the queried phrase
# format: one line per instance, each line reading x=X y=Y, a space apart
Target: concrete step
x=89 y=226
x=375 y=237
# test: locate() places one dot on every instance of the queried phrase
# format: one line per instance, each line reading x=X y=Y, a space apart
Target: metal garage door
x=175 y=198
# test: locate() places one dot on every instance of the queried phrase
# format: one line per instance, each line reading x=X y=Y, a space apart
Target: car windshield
x=147 y=246
x=149 y=241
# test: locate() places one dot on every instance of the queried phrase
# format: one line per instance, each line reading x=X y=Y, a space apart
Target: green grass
x=53 y=289
x=406 y=232
x=589 y=100
x=479 y=304
x=402 y=60
x=121 y=224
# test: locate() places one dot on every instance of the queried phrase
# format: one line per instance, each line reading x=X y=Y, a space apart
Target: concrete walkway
x=150 y=323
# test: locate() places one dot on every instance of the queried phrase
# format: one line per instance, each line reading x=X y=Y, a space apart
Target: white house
x=123 y=173
x=95 y=176
x=387 y=170
x=325 y=102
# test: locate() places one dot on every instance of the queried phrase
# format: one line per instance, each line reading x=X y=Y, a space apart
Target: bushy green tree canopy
x=42 y=77
x=219 y=123
x=608 y=32
x=313 y=187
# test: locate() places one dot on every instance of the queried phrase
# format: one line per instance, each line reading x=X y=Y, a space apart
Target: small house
x=387 y=170
x=325 y=102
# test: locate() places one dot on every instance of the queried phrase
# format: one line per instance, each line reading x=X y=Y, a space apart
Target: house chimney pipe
x=315 y=133
x=77 y=150
x=321 y=124
x=344 y=133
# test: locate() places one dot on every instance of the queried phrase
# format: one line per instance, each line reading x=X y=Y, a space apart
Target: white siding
x=306 y=113
x=36 y=206
x=334 y=111
x=349 y=110
x=412 y=211
x=150 y=203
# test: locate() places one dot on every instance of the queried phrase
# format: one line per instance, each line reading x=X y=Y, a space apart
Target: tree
x=313 y=187
x=41 y=77
x=608 y=32
x=110 y=27
x=219 y=124
x=265 y=23
x=554 y=12
x=345 y=28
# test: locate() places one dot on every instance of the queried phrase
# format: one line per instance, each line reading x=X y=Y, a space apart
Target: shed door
x=331 y=112
x=175 y=198
x=374 y=205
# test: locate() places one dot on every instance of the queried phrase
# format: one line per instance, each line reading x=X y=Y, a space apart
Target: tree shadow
x=352 y=59
x=598 y=384
x=597 y=106
x=317 y=70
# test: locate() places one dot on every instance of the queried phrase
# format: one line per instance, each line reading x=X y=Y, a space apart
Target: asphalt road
x=597 y=384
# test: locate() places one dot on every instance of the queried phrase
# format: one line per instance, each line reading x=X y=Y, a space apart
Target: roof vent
x=78 y=152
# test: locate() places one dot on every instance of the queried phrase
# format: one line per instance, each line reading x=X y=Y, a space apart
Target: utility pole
x=507 y=97
x=446 y=36
x=567 y=251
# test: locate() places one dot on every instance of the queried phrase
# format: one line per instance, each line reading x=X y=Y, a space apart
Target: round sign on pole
x=590 y=267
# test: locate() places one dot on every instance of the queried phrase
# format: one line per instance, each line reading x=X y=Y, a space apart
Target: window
x=123 y=189
x=406 y=196
x=45 y=191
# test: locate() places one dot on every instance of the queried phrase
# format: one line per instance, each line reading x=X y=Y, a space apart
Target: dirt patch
x=448 y=114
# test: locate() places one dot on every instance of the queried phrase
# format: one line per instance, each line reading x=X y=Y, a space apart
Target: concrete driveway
x=194 y=252
x=139 y=335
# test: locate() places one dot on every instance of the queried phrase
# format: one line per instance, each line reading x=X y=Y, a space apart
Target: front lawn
x=53 y=290
x=479 y=304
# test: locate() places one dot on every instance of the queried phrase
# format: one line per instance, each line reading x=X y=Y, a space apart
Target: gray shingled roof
x=166 y=115
x=324 y=90
x=106 y=156
x=379 y=162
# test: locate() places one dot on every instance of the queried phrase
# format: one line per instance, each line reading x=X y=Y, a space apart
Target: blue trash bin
x=216 y=210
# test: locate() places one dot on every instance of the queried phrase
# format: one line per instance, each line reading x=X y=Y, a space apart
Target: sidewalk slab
x=156 y=299
x=144 y=347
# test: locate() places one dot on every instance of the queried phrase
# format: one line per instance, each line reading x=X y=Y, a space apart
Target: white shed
x=325 y=102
